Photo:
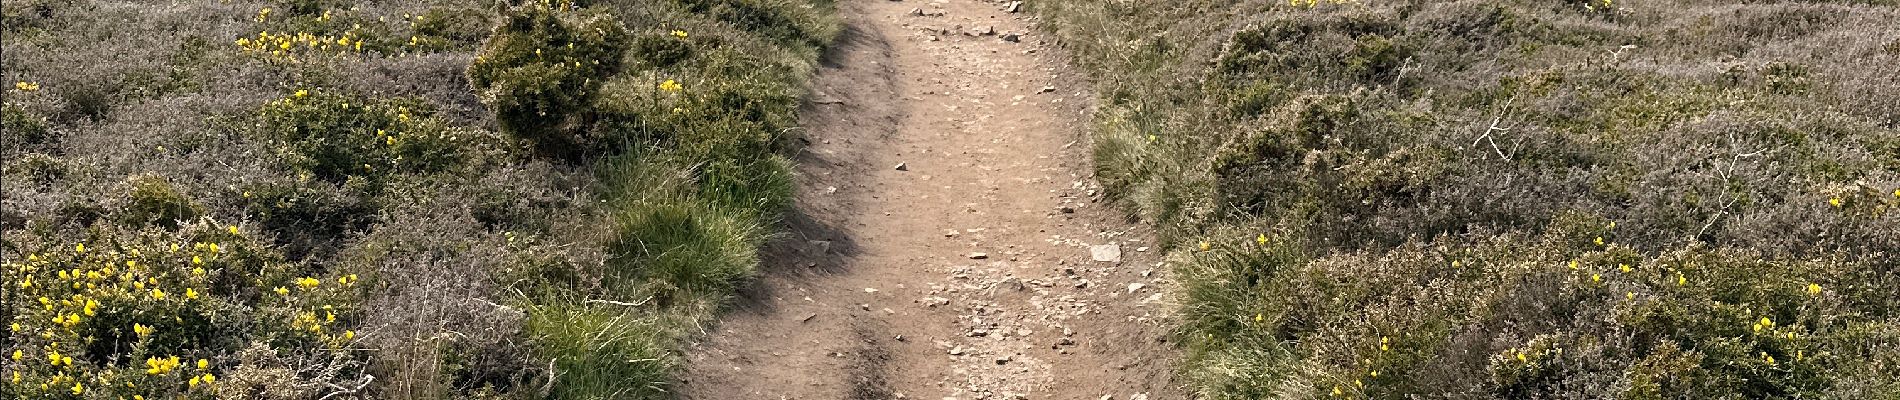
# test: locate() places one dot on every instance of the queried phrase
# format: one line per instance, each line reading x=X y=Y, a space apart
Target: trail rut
x=965 y=273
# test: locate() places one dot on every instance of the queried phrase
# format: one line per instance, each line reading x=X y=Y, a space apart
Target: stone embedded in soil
x=979 y=255
x=902 y=167
x=1106 y=252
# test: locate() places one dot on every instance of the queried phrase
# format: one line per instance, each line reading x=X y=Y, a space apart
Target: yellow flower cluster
x=155 y=365
x=25 y=86
x=287 y=46
x=671 y=86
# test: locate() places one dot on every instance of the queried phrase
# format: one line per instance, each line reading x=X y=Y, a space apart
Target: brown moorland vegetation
x=1520 y=199
x=309 y=199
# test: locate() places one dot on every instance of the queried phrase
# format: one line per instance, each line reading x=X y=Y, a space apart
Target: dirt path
x=965 y=273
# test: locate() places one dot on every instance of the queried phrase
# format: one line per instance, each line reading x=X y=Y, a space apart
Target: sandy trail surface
x=949 y=241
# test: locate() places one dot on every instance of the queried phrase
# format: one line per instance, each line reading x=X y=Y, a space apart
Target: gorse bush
x=541 y=69
x=1523 y=199
x=151 y=200
x=339 y=138
x=306 y=200
x=159 y=313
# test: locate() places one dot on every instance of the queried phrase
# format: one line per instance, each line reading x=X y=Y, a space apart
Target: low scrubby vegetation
x=1520 y=199
x=425 y=199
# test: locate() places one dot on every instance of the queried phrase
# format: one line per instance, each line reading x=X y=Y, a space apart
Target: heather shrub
x=540 y=70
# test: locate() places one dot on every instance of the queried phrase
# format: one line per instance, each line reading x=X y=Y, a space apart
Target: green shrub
x=540 y=71
x=338 y=138
x=464 y=27
x=22 y=131
x=152 y=201
x=308 y=217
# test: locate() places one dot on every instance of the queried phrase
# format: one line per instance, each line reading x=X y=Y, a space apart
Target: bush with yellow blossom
x=160 y=313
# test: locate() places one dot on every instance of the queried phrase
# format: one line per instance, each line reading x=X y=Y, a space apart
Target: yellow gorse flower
x=1262 y=239
x=679 y=34
x=142 y=330
x=25 y=86
x=155 y=365
x=671 y=86
x=1836 y=202
x=308 y=283
x=1814 y=289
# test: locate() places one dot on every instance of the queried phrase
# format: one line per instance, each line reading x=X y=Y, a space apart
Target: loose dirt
x=942 y=243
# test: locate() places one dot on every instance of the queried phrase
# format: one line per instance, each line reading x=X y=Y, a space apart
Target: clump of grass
x=604 y=351
x=1509 y=200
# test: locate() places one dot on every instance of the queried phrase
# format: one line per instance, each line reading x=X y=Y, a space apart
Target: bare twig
x=1497 y=120
x=622 y=303
x=343 y=390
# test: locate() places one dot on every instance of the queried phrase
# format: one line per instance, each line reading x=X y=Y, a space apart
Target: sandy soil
x=942 y=245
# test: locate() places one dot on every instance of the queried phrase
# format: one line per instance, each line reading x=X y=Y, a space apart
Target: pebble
x=1106 y=252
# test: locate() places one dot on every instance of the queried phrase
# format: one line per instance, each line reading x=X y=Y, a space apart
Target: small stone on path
x=1106 y=252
